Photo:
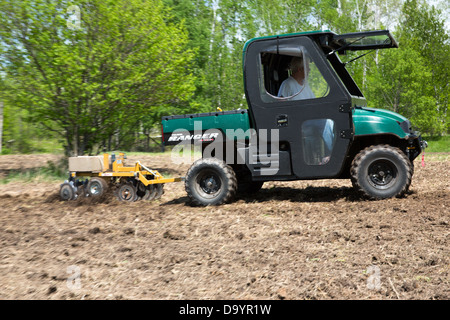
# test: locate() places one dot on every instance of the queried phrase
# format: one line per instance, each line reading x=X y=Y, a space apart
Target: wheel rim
x=208 y=184
x=126 y=193
x=382 y=174
x=95 y=188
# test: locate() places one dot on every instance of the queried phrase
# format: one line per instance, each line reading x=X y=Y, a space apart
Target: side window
x=319 y=136
x=317 y=82
x=290 y=74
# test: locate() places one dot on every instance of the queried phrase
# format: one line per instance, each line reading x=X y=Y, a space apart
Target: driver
x=296 y=86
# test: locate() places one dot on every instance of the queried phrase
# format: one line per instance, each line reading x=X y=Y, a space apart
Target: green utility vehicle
x=306 y=119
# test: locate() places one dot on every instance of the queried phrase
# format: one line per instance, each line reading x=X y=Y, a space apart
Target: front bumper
x=415 y=142
x=415 y=146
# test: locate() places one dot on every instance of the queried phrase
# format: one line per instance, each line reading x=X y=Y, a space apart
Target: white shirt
x=290 y=87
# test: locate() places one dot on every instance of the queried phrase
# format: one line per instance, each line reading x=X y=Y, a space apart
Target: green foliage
x=21 y=135
x=91 y=81
x=401 y=83
x=437 y=143
x=423 y=31
x=103 y=79
x=50 y=172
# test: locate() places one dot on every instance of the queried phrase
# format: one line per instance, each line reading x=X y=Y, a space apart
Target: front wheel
x=210 y=181
x=381 y=172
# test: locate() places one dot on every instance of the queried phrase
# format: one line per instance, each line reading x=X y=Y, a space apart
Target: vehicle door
x=314 y=124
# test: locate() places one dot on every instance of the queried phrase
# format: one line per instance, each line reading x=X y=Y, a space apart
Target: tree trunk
x=75 y=142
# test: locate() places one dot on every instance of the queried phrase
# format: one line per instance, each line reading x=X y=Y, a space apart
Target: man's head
x=297 y=67
x=296 y=64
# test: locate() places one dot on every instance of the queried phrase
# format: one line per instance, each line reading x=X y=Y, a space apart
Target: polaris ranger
x=306 y=119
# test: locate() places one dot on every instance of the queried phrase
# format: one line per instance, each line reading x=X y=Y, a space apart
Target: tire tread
x=229 y=174
x=362 y=155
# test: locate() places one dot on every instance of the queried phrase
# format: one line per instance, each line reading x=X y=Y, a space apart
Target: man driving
x=296 y=86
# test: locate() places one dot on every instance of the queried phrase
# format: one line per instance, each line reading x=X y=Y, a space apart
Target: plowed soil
x=292 y=240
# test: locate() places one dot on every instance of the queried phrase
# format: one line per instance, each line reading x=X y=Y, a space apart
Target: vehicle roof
x=314 y=34
x=329 y=40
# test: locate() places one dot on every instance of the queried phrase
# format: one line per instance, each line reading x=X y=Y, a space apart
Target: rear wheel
x=67 y=191
x=210 y=181
x=381 y=172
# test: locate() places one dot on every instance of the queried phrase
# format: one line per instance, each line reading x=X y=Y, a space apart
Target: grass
x=51 y=172
x=32 y=146
x=438 y=144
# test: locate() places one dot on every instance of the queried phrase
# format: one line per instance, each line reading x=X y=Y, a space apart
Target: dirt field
x=293 y=240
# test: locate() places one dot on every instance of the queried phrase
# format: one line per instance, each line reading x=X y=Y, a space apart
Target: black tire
x=210 y=181
x=127 y=192
x=67 y=192
x=381 y=172
x=97 y=187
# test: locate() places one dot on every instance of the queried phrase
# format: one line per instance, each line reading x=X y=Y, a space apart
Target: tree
x=400 y=83
x=423 y=30
x=197 y=17
x=1 y=125
x=91 y=71
x=413 y=80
